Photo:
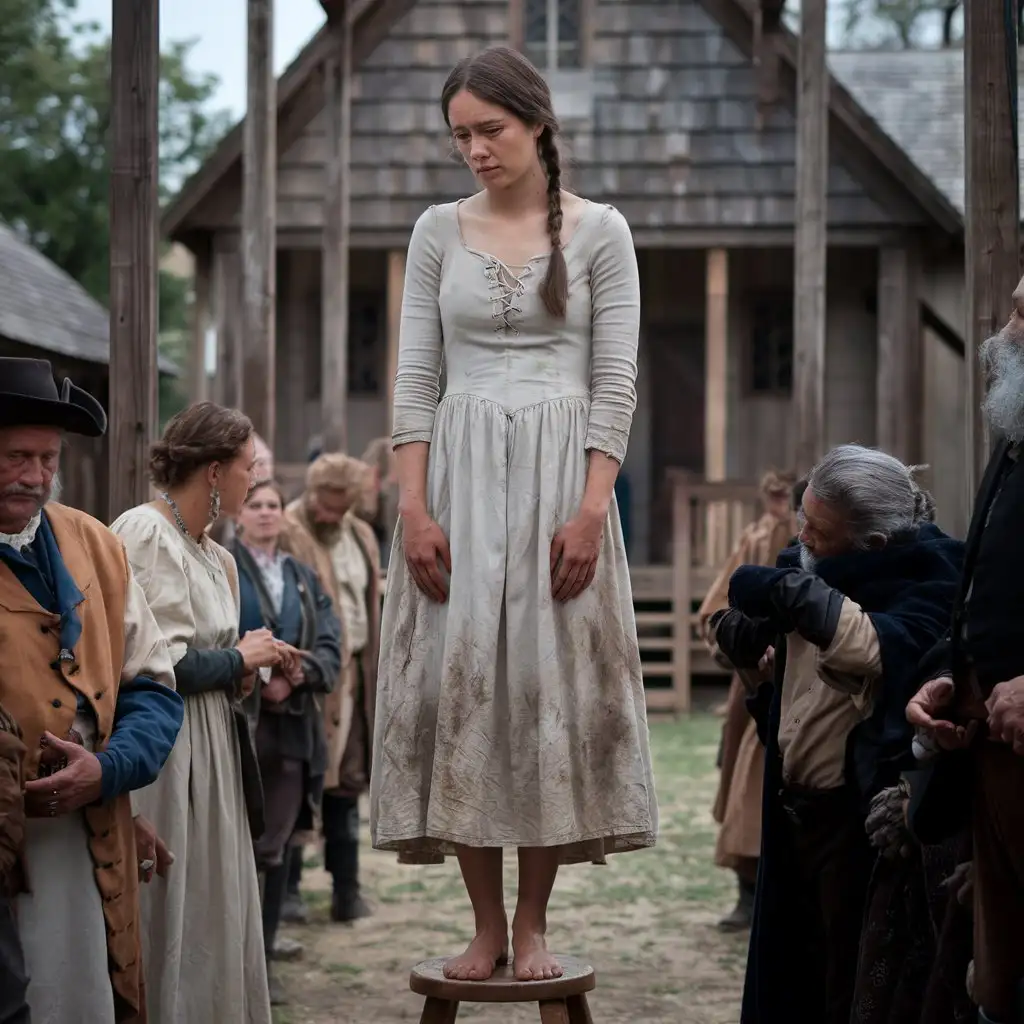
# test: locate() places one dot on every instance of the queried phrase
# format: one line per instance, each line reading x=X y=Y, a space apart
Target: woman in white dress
x=510 y=703
x=202 y=932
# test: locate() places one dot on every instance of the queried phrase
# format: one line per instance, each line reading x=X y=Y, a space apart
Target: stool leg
x=579 y=1011
x=439 y=1011
x=553 y=1011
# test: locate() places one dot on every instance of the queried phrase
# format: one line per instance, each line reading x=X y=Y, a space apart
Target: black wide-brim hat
x=29 y=398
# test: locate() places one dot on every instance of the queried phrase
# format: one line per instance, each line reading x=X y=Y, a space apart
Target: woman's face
x=498 y=148
x=261 y=516
x=233 y=479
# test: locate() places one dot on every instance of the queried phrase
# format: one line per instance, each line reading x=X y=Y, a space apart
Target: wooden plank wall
x=664 y=125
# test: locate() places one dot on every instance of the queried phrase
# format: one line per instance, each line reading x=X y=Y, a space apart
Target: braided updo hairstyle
x=504 y=77
x=196 y=437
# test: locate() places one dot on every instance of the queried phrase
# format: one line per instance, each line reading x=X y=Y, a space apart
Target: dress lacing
x=507 y=288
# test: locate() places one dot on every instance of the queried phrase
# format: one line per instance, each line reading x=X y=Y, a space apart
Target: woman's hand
x=259 y=649
x=425 y=545
x=276 y=691
x=574 y=552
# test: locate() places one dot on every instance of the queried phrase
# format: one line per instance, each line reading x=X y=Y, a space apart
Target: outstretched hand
x=78 y=783
x=574 y=552
x=425 y=546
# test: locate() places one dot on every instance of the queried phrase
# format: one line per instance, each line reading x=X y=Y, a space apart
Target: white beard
x=807 y=561
x=1002 y=357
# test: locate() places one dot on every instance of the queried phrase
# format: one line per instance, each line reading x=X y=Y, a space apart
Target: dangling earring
x=214 y=505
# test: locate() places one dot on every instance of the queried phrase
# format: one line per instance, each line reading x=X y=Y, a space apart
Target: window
x=365 y=350
x=771 y=345
x=551 y=33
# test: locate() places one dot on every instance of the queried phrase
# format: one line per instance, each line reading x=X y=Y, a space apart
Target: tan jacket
x=299 y=540
x=41 y=694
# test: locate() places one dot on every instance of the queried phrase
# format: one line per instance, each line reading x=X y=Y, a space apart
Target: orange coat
x=41 y=693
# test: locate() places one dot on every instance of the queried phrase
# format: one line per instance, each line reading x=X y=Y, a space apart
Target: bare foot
x=487 y=950
x=531 y=959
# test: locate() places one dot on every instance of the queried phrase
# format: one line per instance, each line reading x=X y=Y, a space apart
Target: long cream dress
x=505 y=718
x=202 y=936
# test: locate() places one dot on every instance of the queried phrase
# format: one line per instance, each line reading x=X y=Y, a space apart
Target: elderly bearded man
x=85 y=672
x=849 y=614
x=975 y=696
x=323 y=530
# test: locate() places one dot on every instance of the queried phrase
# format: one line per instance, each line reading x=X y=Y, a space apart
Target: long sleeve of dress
x=615 y=298
x=148 y=713
x=418 y=375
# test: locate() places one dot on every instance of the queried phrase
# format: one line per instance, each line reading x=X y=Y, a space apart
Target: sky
x=220 y=30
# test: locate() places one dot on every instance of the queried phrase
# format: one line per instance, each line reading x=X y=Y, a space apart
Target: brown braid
x=555 y=288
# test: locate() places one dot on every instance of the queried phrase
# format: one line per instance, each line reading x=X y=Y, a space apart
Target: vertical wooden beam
x=396 y=286
x=259 y=220
x=198 y=383
x=716 y=344
x=227 y=288
x=682 y=595
x=134 y=89
x=810 y=240
x=992 y=230
x=899 y=413
x=334 y=351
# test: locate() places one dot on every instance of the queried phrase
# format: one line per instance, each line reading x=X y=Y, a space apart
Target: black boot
x=293 y=910
x=742 y=915
x=341 y=858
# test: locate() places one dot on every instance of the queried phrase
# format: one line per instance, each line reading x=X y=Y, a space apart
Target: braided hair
x=504 y=77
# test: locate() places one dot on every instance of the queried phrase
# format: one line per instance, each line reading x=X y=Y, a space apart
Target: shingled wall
x=663 y=124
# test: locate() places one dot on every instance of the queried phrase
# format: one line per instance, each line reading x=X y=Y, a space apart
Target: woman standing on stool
x=510 y=706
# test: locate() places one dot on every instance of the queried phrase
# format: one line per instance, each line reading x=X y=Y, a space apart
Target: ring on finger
x=147 y=865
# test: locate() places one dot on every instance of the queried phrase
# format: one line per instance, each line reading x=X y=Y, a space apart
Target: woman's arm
x=615 y=302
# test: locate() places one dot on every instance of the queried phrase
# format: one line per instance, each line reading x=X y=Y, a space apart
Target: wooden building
x=45 y=314
x=676 y=112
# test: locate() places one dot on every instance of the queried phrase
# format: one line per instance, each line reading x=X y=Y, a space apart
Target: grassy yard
x=646 y=921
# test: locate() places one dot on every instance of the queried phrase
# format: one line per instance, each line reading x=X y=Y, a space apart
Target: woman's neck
x=265 y=547
x=193 y=504
x=528 y=195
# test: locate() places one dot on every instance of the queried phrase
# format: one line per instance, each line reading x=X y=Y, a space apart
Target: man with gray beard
x=972 y=709
x=845 y=618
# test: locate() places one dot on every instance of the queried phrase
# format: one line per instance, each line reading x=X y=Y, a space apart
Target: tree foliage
x=54 y=127
x=903 y=24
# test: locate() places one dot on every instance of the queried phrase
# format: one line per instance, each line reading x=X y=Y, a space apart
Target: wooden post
x=198 y=383
x=334 y=352
x=899 y=391
x=396 y=287
x=134 y=90
x=810 y=236
x=682 y=597
x=259 y=219
x=227 y=289
x=992 y=230
x=716 y=342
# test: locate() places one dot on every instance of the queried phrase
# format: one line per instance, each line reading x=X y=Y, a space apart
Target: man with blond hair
x=323 y=530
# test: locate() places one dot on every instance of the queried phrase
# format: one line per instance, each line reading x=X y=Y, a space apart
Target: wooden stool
x=562 y=1000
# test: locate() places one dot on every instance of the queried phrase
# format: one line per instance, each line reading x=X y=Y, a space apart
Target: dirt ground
x=646 y=921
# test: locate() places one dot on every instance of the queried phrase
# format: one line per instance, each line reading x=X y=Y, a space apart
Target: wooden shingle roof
x=43 y=306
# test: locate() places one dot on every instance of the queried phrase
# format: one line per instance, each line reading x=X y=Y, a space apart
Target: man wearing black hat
x=86 y=674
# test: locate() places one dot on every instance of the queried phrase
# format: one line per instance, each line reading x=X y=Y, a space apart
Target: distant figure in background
x=380 y=505
x=281 y=594
x=323 y=531
x=737 y=807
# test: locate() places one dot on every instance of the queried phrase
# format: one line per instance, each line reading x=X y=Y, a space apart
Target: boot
x=341 y=858
x=293 y=910
x=276 y=989
x=742 y=915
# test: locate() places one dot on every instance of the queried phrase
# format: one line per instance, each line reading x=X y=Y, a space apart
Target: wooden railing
x=707 y=520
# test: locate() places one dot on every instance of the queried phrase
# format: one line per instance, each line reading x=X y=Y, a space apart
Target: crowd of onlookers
x=873 y=745
x=178 y=716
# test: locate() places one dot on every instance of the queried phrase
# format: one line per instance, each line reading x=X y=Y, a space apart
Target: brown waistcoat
x=41 y=694
x=298 y=540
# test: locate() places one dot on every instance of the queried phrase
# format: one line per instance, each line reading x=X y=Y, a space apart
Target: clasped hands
x=261 y=649
x=1004 y=714
x=574 y=552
